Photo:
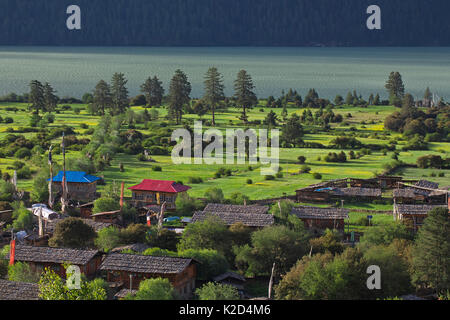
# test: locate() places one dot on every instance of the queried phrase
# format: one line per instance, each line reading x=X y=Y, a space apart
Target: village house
x=232 y=279
x=80 y=185
x=251 y=216
x=321 y=218
x=413 y=215
x=40 y=258
x=422 y=192
x=11 y=290
x=128 y=270
x=156 y=192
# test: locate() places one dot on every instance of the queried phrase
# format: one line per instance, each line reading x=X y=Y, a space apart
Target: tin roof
x=75 y=177
x=160 y=186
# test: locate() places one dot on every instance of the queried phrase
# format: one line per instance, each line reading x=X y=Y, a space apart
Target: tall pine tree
x=431 y=254
x=179 y=94
x=213 y=90
x=119 y=93
x=243 y=93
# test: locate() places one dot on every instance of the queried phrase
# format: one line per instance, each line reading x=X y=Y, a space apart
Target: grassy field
x=367 y=120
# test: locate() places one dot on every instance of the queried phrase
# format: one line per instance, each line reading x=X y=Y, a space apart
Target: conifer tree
x=213 y=90
x=431 y=254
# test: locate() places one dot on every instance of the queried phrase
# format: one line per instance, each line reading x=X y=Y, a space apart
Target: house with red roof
x=155 y=192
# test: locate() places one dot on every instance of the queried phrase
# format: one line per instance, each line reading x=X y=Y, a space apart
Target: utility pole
x=271 y=281
x=50 y=199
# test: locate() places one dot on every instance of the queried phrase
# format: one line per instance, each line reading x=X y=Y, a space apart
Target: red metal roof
x=160 y=186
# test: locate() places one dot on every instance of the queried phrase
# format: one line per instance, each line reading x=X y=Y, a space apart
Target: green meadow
x=368 y=121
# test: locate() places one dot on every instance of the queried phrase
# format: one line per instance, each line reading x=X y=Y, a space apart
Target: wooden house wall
x=78 y=191
x=142 y=198
x=89 y=270
x=311 y=196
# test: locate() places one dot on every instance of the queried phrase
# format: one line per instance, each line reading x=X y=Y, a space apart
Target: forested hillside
x=224 y=23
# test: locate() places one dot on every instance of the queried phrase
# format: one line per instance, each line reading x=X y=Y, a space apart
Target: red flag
x=12 y=252
x=121 y=195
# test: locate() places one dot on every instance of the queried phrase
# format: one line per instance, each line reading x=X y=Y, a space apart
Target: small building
x=232 y=279
x=155 y=192
x=11 y=290
x=123 y=293
x=80 y=185
x=422 y=192
x=86 y=209
x=356 y=193
x=130 y=269
x=40 y=258
x=252 y=220
x=328 y=193
x=389 y=182
x=413 y=215
x=321 y=218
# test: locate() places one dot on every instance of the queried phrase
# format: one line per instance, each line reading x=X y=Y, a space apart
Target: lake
x=75 y=70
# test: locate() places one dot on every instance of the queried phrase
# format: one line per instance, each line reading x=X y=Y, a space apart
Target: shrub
x=269 y=177
x=317 y=175
x=301 y=159
x=195 y=180
x=22 y=153
x=249 y=181
x=217 y=291
x=305 y=169
x=156 y=168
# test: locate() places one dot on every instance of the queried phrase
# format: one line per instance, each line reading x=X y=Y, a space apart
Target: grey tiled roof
x=228 y=275
x=307 y=212
x=248 y=219
x=357 y=192
x=10 y=290
x=412 y=209
x=53 y=255
x=427 y=184
x=144 y=264
x=232 y=208
x=124 y=292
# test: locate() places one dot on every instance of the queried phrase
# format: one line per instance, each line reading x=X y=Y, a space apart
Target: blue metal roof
x=75 y=176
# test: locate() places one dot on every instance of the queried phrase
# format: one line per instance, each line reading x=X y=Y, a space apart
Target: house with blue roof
x=80 y=185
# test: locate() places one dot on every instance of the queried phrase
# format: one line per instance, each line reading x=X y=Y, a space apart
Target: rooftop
x=357 y=192
x=144 y=264
x=232 y=208
x=248 y=219
x=229 y=275
x=53 y=255
x=75 y=177
x=413 y=209
x=160 y=186
x=306 y=212
x=10 y=290
x=427 y=184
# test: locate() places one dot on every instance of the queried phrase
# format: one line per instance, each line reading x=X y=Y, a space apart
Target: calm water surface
x=74 y=71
